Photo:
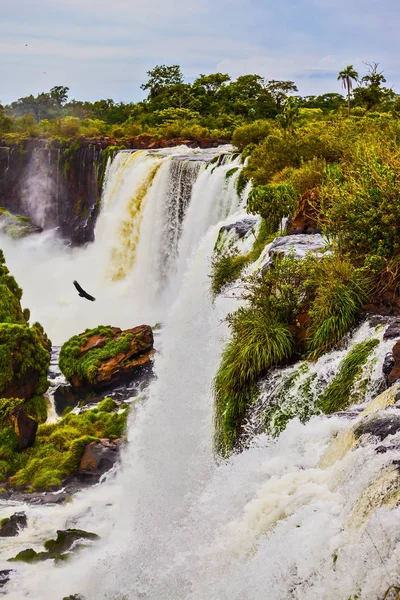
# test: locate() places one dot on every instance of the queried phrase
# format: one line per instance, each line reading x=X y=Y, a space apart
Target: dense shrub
x=252 y=133
x=273 y=203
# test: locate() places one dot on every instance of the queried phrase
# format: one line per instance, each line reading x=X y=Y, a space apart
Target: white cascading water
x=296 y=517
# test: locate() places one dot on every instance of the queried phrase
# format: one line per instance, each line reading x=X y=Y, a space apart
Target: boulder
x=11 y=526
x=379 y=425
x=107 y=356
x=64 y=396
x=60 y=549
x=99 y=457
x=393 y=331
x=300 y=244
x=5 y=577
x=241 y=227
x=67 y=539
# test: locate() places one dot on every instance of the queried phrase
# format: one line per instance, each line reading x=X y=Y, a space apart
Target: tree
x=162 y=77
x=347 y=76
x=59 y=95
x=280 y=90
x=371 y=93
x=290 y=114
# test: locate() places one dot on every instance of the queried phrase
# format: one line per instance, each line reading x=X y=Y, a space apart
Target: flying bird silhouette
x=82 y=292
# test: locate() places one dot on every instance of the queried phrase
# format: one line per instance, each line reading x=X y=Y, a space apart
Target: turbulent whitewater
x=309 y=514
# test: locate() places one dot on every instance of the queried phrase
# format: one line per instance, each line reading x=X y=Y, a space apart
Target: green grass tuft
x=337 y=396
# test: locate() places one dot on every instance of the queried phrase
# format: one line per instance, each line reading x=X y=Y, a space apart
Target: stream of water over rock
x=306 y=515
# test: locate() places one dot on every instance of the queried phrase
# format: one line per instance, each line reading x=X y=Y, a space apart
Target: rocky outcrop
x=379 y=425
x=11 y=526
x=99 y=457
x=240 y=227
x=392 y=331
x=299 y=244
x=60 y=549
x=394 y=374
x=104 y=357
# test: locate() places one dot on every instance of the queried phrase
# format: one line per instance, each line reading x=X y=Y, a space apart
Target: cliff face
x=57 y=183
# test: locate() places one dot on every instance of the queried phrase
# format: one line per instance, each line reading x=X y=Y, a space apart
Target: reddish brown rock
x=394 y=374
x=120 y=367
x=99 y=457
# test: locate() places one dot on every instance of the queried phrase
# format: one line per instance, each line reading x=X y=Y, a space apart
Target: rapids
x=299 y=516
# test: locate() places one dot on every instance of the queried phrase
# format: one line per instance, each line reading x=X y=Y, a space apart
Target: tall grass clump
x=262 y=336
x=337 y=396
x=258 y=342
x=338 y=291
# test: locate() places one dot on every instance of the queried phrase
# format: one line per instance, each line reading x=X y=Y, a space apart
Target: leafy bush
x=252 y=133
x=272 y=202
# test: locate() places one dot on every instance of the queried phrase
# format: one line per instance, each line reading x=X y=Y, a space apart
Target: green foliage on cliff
x=59 y=446
x=86 y=365
x=261 y=337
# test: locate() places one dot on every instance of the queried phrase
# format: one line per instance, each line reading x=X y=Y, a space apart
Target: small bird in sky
x=82 y=292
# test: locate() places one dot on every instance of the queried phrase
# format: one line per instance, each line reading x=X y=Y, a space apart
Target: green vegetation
x=272 y=202
x=59 y=447
x=212 y=106
x=85 y=365
x=227 y=264
x=337 y=396
x=336 y=169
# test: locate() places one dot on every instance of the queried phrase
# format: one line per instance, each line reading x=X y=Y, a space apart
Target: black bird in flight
x=82 y=292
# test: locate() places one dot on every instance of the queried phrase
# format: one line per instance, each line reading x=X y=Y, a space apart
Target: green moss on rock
x=85 y=365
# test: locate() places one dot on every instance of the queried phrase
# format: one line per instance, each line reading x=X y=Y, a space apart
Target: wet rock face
x=54 y=184
x=394 y=374
x=99 y=457
x=11 y=526
x=393 y=331
x=240 y=227
x=301 y=244
x=379 y=426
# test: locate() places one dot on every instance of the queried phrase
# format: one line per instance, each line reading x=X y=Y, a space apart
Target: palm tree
x=347 y=76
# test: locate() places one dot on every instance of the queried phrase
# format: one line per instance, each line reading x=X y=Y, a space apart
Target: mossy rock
x=60 y=549
x=17 y=226
x=99 y=357
x=66 y=539
x=29 y=556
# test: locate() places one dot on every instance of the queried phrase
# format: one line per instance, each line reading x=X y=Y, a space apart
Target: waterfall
x=309 y=514
x=135 y=256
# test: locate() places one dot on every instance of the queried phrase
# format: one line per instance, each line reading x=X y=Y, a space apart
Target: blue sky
x=103 y=48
